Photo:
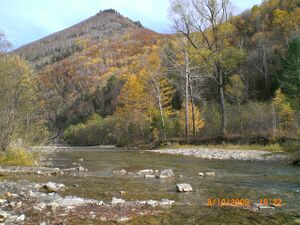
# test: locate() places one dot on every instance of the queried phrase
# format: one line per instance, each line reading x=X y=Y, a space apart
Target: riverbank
x=39 y=203
x=224 y=154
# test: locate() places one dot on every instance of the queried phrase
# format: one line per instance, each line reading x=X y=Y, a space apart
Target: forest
x=219 y=77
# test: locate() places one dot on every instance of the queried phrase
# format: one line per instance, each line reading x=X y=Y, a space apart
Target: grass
x=18 y=157
x=269 y=148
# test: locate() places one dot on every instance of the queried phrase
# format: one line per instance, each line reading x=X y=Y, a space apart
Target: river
x=234 y=179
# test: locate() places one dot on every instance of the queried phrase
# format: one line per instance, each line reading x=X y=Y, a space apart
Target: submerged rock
x=168 y=173
x=210 y=174
x=117 y=201
x=145 y=172
x=120 y=172
x=184 y=187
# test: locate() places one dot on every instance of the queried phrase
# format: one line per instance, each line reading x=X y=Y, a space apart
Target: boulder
x=184 y=187
x=53 y=187
x=168 y=173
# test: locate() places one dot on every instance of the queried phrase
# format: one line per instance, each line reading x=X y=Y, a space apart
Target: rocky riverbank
x=33 y=203
x=223 y=154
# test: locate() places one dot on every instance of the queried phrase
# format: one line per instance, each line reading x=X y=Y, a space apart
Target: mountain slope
x=64 y=43
x=81 y=67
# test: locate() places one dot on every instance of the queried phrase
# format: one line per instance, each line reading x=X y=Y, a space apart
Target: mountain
x=81 y=67
x=59 y=45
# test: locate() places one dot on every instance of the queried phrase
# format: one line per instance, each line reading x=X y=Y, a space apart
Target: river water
x=234 y=179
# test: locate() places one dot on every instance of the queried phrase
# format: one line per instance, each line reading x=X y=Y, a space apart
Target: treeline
x=219 y=75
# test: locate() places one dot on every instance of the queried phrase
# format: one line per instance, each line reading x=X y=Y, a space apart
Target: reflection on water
x=234 y=179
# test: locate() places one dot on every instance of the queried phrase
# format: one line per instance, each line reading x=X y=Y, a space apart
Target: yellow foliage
x=284 y=110
x=199 y=122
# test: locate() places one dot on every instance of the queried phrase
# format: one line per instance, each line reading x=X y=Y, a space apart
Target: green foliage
x=18 y=157
x=92 y=132
x=289 y=78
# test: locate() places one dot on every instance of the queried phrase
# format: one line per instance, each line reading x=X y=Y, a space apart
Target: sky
x=24 y=21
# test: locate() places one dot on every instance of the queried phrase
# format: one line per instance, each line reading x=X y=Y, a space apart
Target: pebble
x=223 y=154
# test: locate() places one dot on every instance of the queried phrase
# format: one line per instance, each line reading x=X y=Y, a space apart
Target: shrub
x=18 y=157
x=92 y=132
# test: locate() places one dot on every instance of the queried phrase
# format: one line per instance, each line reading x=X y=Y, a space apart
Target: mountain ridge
x=61 y=44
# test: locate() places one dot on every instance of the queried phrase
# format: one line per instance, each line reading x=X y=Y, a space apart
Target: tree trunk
x=193 y=108
x=222 y=105
x=186 y=95
x=162 y=118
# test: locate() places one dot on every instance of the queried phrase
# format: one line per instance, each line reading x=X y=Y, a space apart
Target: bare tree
x=209 y=19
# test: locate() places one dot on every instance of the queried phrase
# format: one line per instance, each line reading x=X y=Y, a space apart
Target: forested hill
x=110 y=80
x=59 y=45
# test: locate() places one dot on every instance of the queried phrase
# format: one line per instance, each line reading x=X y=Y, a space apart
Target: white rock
x=166 y=202
x=20 y=218
x=168 y=173
x=151 y=202
x=201 y=174
x=53 y=187
x=122 y=219
x=2 y=201
x=145 y=172
x=117 y=201
x=80 y=160
x=184 y=187
x=210 y=174
x=81 y=169
x=148 y=176
x=120 y=172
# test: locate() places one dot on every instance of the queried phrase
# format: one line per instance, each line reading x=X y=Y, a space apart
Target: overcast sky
x=24 y=21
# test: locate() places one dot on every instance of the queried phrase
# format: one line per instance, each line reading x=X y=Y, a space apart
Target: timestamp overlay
x=246 y=202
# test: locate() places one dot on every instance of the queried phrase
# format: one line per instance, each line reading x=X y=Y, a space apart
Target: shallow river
x=234 y=179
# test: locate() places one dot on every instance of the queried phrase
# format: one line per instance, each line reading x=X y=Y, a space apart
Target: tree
x=197 y=120
x=283 y=113
x=4 y=43
x=289 y=78
x=159 y=86
x=132 y=111
x=235 y=89
x=21 y=109
x=206 y=26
